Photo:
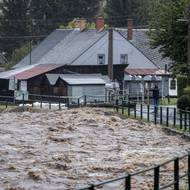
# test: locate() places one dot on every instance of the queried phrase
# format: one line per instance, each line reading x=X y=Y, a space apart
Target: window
x=101 y=59
x=124 y=59
x=173 y=84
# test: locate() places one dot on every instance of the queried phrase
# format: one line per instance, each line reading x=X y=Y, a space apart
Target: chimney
x=77 y=23
x=83 y=24
x=130 y=29
x=100 y=24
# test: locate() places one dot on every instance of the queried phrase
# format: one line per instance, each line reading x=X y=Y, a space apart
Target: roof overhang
x=77 y=79
x=28 y=72
x=145 y=72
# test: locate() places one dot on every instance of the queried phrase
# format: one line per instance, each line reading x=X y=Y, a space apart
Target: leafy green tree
x=49 y=14
x=169 y=33
x=18 y=54
x=120 y=10
x=13 y=22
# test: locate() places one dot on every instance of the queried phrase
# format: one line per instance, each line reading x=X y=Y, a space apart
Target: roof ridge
x=85 y=50
x=137 y=48
x=61 y=41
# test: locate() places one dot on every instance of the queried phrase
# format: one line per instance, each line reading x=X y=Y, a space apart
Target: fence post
x=41 y=102
x=174 y=124
x=167 y=116
x=181 y=119
x=148 y=112
x=161 y=118
x=117 y=108
x=91 y=187
x=141 y=111
x=176 y=174
x=129 y=111
x=128 y=182
x=67 y=102
x=135 y=111
x=185 y=120
x=189 y=121
x=59 y=103
x=78 y=101
x=189 y=170
x=157 y=178
x=155 y=115
x=23 y=100
x=84 y=100
x=122 y=107
x=50 y=105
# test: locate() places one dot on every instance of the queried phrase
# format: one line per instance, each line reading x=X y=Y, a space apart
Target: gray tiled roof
x=44 y=47
x=72 y=47
x=77 y=79
x=63 y=47
x=66 y=46
x=142 y=42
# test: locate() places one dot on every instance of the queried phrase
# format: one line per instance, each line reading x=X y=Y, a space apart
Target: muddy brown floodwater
x=61 y=150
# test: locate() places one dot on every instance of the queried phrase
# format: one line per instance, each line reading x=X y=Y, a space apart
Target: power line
x=22 y=37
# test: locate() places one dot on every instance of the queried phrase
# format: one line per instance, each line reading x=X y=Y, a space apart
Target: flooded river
x=63 y=150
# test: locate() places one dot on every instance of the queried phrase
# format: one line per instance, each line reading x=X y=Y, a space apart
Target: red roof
x=145 y=72
x=35 y=71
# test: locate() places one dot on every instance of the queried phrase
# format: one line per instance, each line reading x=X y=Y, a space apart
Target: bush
x=181 y=84
x=186 y=91
x=183 y=102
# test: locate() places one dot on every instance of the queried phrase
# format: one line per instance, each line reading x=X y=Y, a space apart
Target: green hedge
x=183 y=102
x=186 y=91
x=181 y=84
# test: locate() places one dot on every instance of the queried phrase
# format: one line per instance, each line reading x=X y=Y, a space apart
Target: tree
x=122 y=9
x=18 y=54
x=14 y=22
x=169 y=33
x=49 y=14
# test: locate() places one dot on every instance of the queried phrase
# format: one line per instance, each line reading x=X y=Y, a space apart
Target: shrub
x=181 y=84
x=183 y=102
x=186 y=91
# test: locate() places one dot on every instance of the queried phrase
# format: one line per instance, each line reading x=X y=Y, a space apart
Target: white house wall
x=91 y=56
x=136 y=59
x=81 y=90
x=121 y=46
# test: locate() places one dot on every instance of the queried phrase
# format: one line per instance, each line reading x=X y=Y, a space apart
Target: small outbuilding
x=78 y=85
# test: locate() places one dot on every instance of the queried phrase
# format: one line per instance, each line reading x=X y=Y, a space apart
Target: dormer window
x=101 y=59
x=124 y=59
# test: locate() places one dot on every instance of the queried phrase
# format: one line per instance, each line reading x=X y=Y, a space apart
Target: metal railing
x=175 y=184
x=162 y=115
x=168 y=116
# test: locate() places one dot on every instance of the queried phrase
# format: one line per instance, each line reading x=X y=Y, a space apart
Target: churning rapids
x=61 y=150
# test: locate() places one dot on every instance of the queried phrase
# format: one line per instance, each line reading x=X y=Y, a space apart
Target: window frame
x=98 y=59
x=126 y=56
x=172 y=82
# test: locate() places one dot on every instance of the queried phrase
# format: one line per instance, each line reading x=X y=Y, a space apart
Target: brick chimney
x=82 y=24
x=77 y=23
x=130 y=29
x=100 y=23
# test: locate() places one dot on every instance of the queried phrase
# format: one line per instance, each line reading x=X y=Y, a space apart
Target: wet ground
x=61 y=150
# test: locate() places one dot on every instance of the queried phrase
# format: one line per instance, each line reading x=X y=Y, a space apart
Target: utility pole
x=188 y=53
x=110 y=54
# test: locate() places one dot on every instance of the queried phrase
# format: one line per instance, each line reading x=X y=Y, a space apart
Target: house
x=80 y=52
x=147 y=70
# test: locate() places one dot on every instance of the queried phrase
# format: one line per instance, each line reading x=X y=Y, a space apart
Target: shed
x=78 y=85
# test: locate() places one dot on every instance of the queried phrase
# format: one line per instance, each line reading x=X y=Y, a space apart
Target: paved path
x=158 y=115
